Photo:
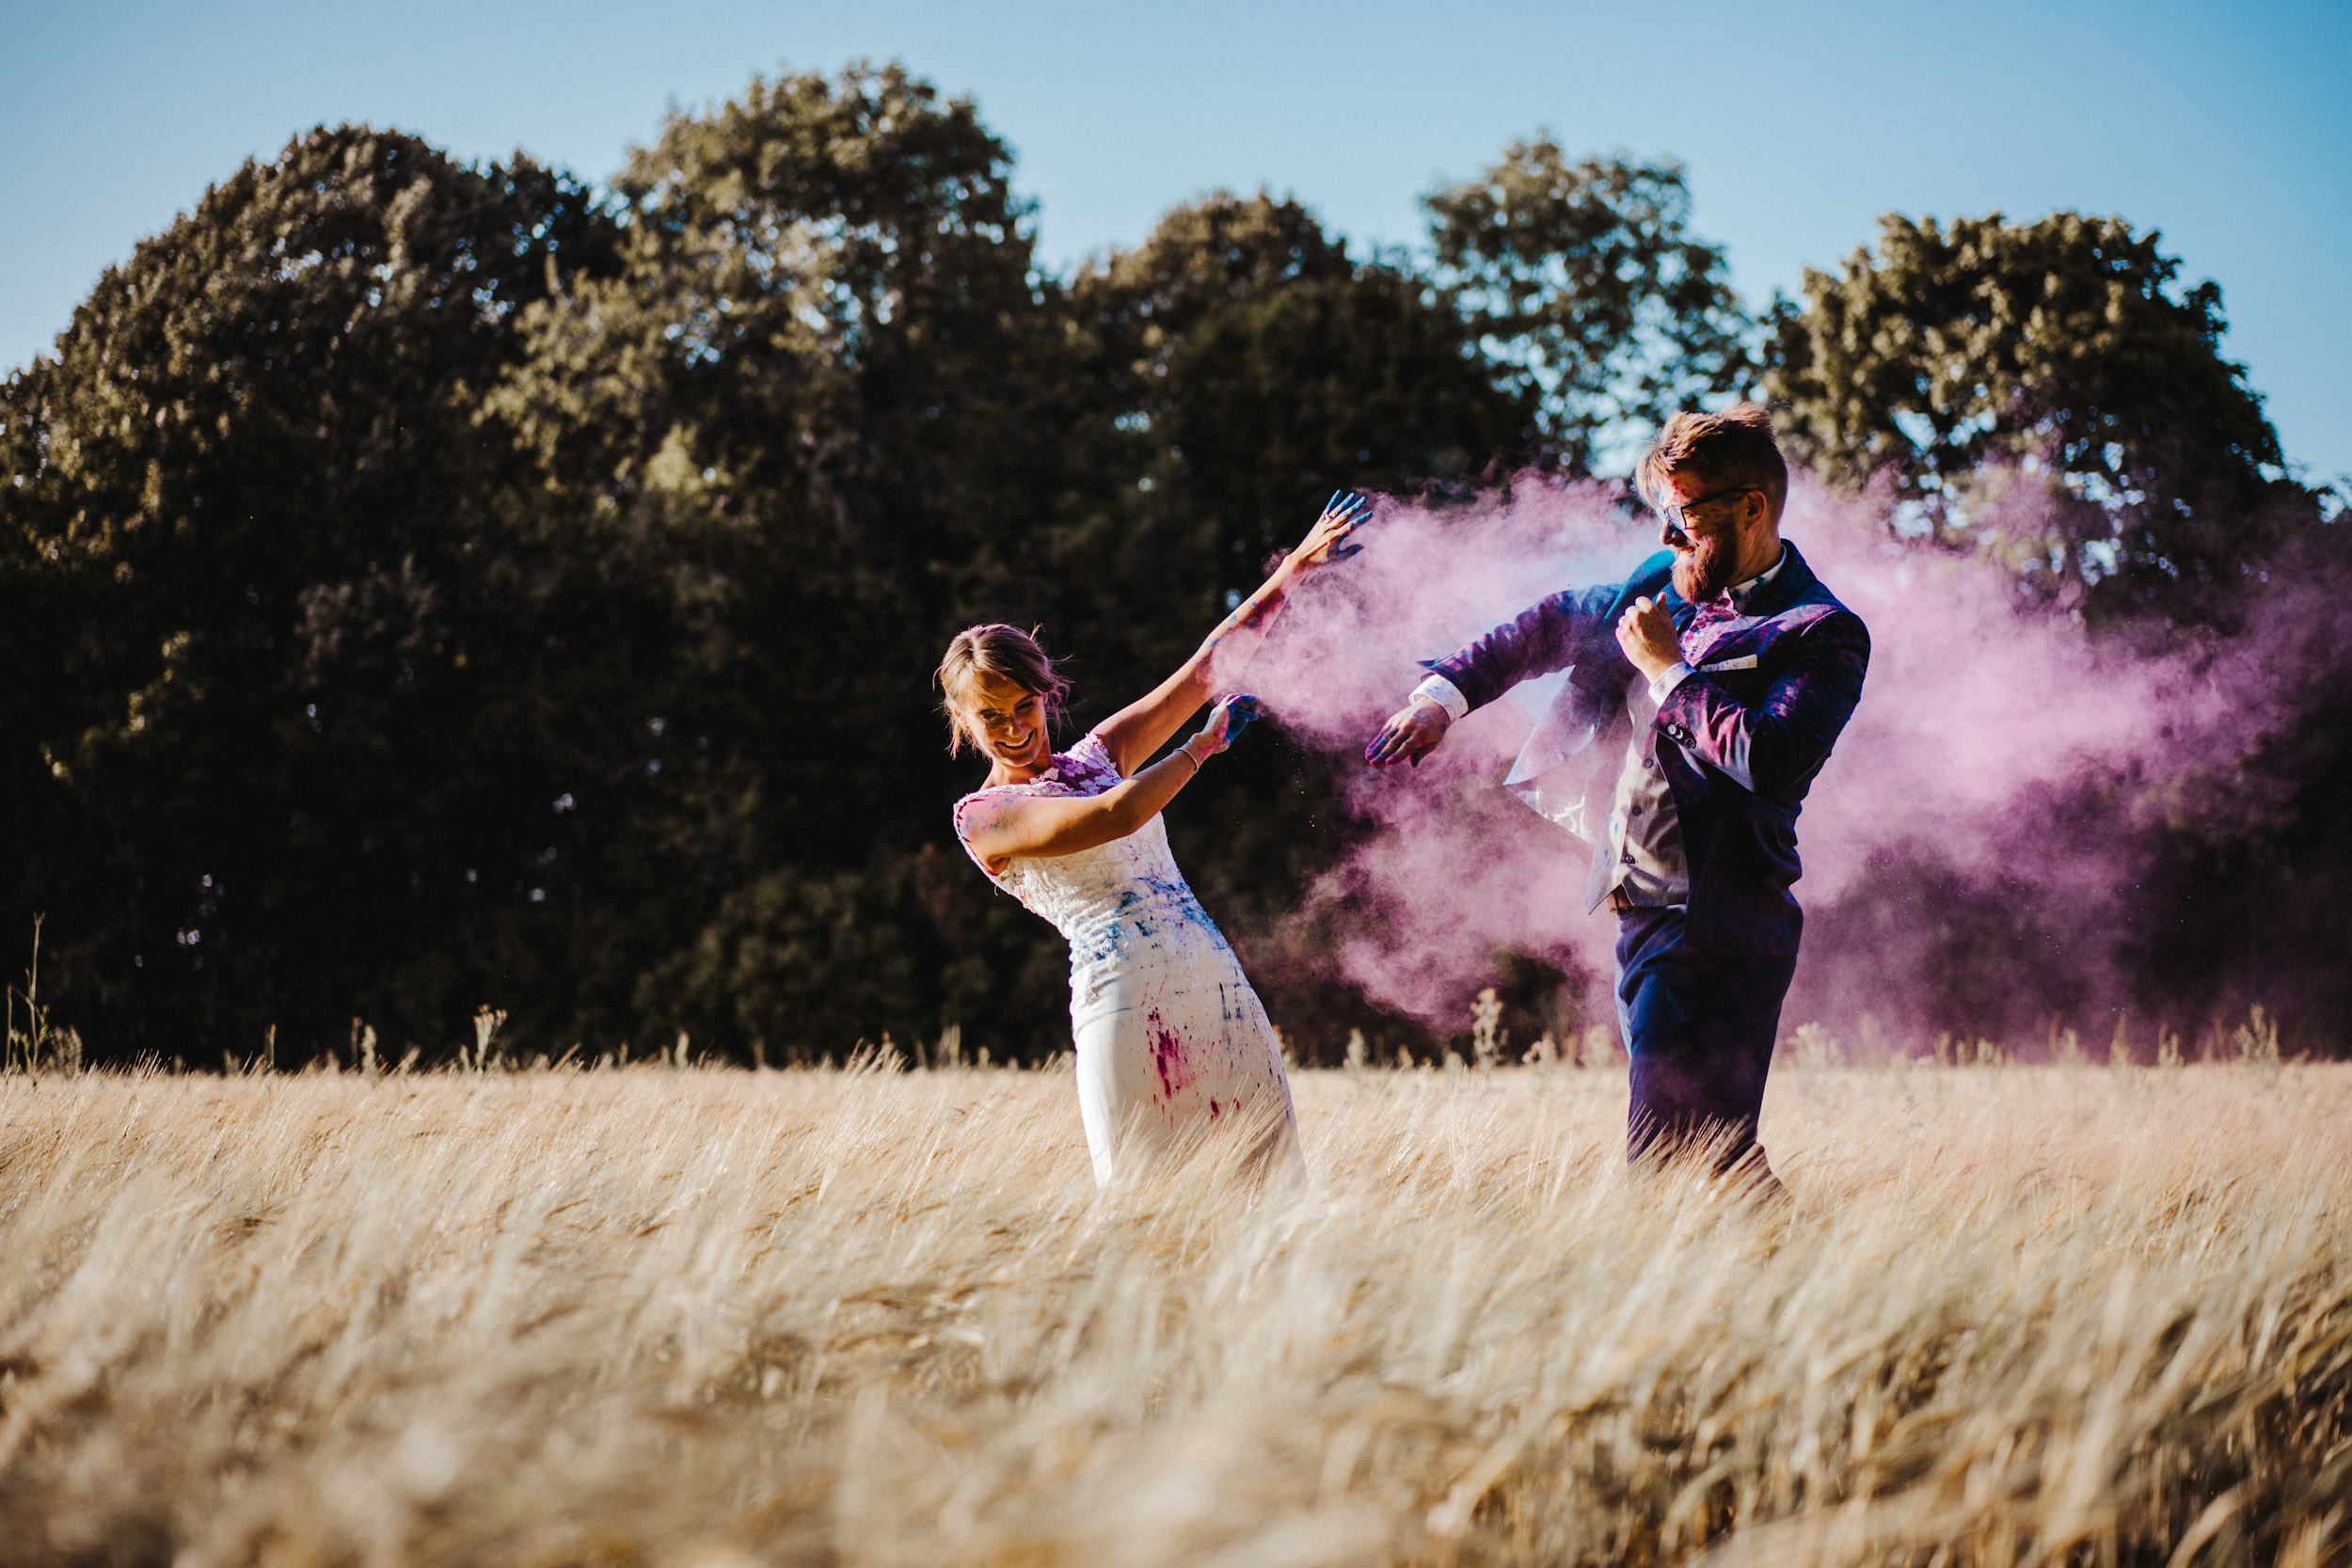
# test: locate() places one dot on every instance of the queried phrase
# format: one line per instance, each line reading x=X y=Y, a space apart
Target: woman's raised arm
x=1142 y=727
x=1000 y=830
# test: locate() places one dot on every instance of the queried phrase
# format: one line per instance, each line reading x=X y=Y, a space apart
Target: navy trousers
x=1699 y=1029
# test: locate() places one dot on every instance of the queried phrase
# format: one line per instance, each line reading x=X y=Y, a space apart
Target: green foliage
x=1238 y=366
x=439 y=588
x=1586 y=284
x=430 y=586
x=812 y=396
x=824 y=396
x=2044 y=392
x=796 y=965
x=2047 y=394
x=276 y=698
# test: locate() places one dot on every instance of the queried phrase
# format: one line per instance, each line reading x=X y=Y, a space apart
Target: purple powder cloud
x=1982 y=708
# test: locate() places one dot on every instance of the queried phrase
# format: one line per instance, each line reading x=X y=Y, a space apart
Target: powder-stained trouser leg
x=1699 y=1029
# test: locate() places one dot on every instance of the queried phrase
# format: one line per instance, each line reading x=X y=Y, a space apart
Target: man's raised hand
x=1411 y=733
x=1646 y=633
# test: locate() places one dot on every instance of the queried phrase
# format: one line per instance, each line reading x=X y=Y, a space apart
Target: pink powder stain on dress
x=1168 y=1055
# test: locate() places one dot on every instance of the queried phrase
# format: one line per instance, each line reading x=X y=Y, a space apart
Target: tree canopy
x=279 y=719
x=1962 y=360
x=1591 y=293
x=432 y=584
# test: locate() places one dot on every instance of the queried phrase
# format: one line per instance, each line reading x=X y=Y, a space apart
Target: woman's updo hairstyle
x=994 y=650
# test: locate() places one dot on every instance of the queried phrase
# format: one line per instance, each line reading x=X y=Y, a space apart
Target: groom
x=1715 y=679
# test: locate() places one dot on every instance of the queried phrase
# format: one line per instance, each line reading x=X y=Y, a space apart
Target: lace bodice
x=1084 y=895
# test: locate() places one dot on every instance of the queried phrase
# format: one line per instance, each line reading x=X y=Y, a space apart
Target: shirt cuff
x=1443 y=692
x=1662 y=687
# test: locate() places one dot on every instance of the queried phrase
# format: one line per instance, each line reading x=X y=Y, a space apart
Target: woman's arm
x=998 y=830
x=1142 y=727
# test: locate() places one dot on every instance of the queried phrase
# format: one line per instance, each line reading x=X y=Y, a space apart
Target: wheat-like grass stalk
x=2010 y=1315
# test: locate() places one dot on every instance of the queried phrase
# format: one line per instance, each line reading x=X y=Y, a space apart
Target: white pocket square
x=1746 y=661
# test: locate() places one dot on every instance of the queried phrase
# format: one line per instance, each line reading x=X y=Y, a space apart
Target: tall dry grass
x=2013 y=1315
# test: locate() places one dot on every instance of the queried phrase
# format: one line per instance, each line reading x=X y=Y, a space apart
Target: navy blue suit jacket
x=1740 y=741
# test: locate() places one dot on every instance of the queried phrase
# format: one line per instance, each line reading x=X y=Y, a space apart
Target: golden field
x=2010 y=1315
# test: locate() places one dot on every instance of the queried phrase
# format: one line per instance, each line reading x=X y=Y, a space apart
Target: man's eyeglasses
x=1676 y=514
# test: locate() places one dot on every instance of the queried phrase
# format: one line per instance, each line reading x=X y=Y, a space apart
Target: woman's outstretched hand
x=1326 y=541
x=1230 y=716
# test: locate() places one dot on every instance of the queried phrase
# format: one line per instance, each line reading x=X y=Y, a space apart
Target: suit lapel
x=1761 y=618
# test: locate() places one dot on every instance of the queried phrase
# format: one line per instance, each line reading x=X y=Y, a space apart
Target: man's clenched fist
x=1646 y=633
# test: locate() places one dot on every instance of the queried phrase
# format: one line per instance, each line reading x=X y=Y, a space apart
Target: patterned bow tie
x=1706 y=623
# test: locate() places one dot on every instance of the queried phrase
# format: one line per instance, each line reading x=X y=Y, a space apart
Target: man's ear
x=1755 y=526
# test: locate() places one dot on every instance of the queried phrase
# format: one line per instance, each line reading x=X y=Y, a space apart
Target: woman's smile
x=1009 y=721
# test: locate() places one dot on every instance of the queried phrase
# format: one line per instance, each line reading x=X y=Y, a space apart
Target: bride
x=1173 y=1043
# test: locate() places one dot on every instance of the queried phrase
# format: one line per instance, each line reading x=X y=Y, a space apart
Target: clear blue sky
x=2227 y=126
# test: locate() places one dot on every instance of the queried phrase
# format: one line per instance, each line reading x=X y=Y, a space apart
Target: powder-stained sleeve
x=1545 y=636
x=1777 y=744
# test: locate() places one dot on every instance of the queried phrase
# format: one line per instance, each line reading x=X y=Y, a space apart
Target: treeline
x=428 y=585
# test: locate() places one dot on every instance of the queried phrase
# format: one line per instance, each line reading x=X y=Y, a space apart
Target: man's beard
x=1704 y=571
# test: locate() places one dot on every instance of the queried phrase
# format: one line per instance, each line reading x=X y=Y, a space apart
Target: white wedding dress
x=1173 y=1043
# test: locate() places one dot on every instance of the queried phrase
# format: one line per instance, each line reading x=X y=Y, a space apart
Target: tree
x=276 y=754
x=2045 y=393
x=1239 y=366
x=819 y=395
x=1585 y=283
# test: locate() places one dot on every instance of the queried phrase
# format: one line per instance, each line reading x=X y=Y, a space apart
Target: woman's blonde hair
x=994 y=650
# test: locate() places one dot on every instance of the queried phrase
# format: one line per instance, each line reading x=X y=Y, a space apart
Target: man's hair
x=1734 y=447
x=994 y=650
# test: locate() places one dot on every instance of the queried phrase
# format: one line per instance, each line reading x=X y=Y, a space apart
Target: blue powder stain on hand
x=1239 y=710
